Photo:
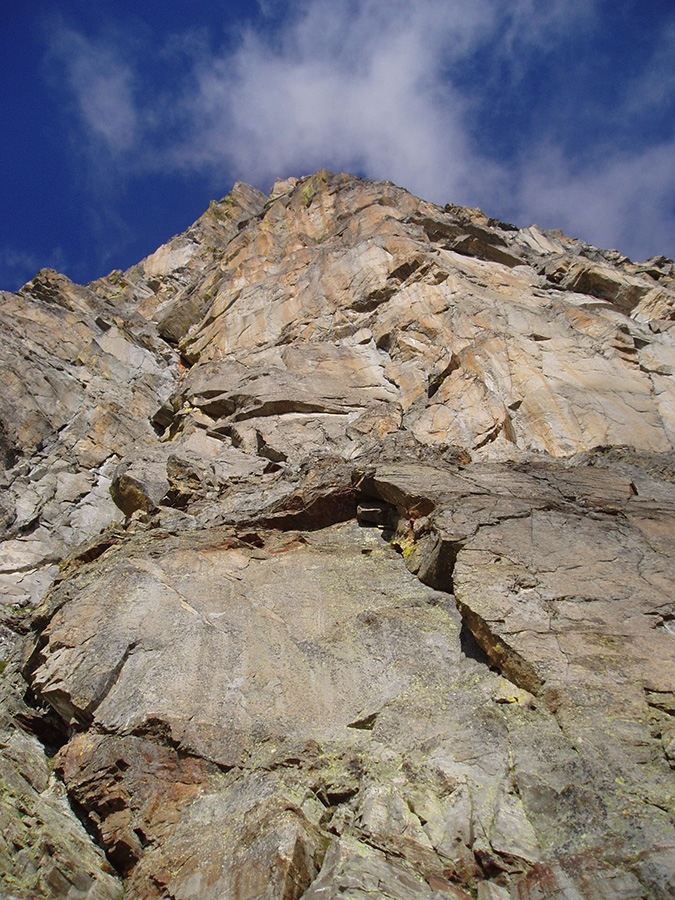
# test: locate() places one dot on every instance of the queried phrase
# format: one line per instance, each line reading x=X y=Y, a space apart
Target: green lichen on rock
x=44 y=851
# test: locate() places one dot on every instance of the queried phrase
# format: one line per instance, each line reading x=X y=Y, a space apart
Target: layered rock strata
x=337 y=560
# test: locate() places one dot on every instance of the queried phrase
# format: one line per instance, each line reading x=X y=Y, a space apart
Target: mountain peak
x=337 y=540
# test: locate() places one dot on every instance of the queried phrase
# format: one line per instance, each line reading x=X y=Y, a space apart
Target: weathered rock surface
x=337 y=561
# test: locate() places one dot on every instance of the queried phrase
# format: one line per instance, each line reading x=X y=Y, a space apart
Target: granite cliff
x=337 y=562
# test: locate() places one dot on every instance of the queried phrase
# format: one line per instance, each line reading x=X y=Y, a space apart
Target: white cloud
x=346 y=86
x=627 y=202
x=101 y=84
x=368 y=86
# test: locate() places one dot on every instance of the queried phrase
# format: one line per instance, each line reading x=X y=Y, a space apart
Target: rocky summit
x=337 y=562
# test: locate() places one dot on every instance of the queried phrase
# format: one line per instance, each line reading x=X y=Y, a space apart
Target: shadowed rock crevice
x=470 y=646
x=431 y=558
x=39 y=719
x=502 y=657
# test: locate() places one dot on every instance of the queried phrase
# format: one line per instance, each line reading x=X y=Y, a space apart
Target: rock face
x=337 y=561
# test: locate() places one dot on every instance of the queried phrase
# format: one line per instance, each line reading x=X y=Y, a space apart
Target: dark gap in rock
x=165 y=334
x=501 y=657
x=216 y=407
x=94 y=549
x=30 y=527
x=40 y=720
x=335 y=798
x=375 y=298
x=35 y=658
x=93 y=553
x=489 y=863
x=483 y=245
x=38 y=715
x=375 y=512
x=158 y=731
x=43 y=722
x=437 y=232
x=505 y=226
x=406 y=270
x=301 y=872
x=233 y=434
x=267 y=451
x=9 y=453
x=261 y=409
x=288 y=762
x=222 y=431
x=491 y=436
x=322 y=797
x=437 y=379
x=481 y=234
x=175 y=498
x=320 y=512
x=163 y=418
x=142 y=837
x=367 y=723
x=251 y=540
x=386 y=341
x=470 y=647
x=122 y=857
x=89 y=825
x=272 y=467
x=437 y=571
x=663 y=701
x=207 y=394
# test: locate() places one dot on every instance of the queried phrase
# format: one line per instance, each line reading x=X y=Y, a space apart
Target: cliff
x=337 y=561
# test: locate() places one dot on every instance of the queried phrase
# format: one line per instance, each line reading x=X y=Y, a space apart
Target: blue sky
x=121 y=120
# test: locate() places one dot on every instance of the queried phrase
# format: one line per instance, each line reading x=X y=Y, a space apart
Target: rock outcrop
x=337 y=560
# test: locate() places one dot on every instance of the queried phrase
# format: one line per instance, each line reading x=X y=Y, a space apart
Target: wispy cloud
x=627 y=203
x=101 y=84
x=364 y=86
x=343 y=86
x=654 y=87
x=17 y=267
x=373 y=88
